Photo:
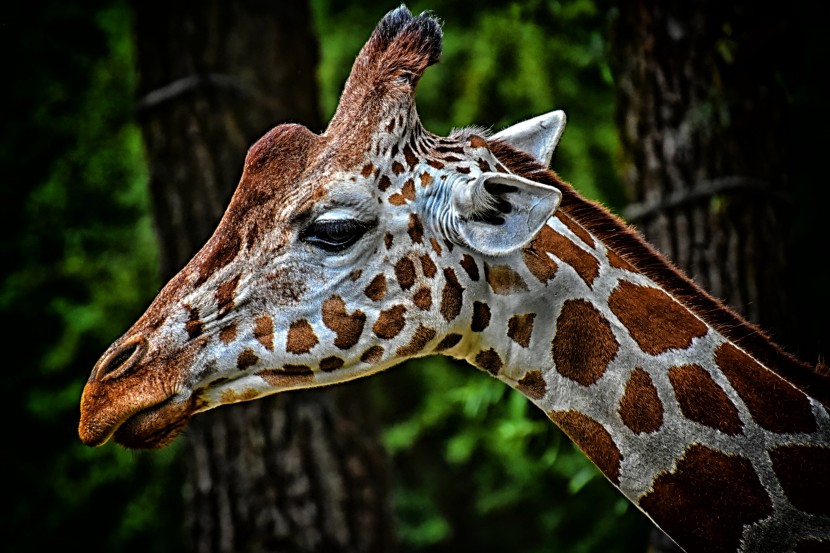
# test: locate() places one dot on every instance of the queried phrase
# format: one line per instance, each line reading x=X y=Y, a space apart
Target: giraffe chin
x=155 y=427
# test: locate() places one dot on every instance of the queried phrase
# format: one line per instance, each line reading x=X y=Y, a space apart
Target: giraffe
x=343 y=254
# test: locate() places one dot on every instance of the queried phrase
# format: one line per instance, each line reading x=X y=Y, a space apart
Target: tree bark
x=702 y=109
x=302 y=471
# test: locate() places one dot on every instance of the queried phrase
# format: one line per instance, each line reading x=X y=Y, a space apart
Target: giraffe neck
x=685 y=422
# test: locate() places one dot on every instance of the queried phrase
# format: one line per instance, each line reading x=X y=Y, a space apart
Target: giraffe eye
x=334 y=235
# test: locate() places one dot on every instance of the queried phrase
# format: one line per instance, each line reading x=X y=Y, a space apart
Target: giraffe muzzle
x=132 y=397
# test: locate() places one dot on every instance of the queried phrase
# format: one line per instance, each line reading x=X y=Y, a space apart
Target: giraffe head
x=328 y=263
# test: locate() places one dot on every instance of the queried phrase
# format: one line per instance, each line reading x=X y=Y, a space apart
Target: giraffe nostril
x=121 y=359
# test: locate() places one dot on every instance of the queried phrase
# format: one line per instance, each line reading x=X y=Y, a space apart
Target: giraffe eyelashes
x=334 y=235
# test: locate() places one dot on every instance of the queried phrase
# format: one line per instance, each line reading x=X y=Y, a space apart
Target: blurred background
x=125 y=125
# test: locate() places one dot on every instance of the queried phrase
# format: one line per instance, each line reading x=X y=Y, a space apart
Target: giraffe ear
x=501 y=212
x=537 y=137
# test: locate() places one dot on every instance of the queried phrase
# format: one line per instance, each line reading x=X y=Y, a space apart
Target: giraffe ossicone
x=345 y=253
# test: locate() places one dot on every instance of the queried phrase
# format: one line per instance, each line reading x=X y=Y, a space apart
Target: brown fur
x=640 y=407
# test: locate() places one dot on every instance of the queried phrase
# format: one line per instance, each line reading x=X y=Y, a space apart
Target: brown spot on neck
x=577 y=229
x=428 y=266
x=489 y=361
x=372 y=354
x=702 y=400
x=423 y=298
x=520 y=328
x=704 y=503
x=774 y=403
x=228 y=334
x=655 y=321
x=503 y=280
x=420 y=338
x=640 y=407
x=416 y=229
x=468 y=263
x=584 y=344
x=481 y=316
x=452 y=296
x=804 y=474
x=533 y=385
x=592 y=439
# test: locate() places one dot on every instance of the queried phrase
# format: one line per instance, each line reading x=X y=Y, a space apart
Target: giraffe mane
x=625 y=241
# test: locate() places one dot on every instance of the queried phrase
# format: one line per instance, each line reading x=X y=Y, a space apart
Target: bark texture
x=701 y=106
x=297 y=472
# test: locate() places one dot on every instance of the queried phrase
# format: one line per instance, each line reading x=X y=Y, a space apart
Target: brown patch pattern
x=655 y=321
x=301 y=337
x=532 y=384
x=384 y=183
x=503 y=279
x=804 y=473
x=520 y=328
x=329 y=364
x=584 y=344
x=707 y=499
x=448 y=341
x=423 y=298
x=226 y=294
x=577 y=229
x=372 y=354
x=228 y=334
x=247 y=358
x=436 y=247
x=388 y=240
x=615 y=260
x=264 y=331
x=481 y=316
x=468 y=263
x=452 y=296
x=477 y=142
x=426 y=179
x=416 y=229
x=550 y=241
x=347 y=326
x=536 y=257
x=405 y=273
x=390 y=322
x=640 y=407
x=367 y=170
x=592 y=439
x=489 y=361
x=281 y=379
x=193 y=326
x=420 y=338
x=702 y=400
x=428 y=266
x=774 y=403
x=376 y=289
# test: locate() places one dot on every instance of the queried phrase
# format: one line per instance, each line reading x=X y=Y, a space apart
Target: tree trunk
x=301 y=471
x=701 y=114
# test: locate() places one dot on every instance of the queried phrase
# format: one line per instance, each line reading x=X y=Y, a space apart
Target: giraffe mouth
x=156 y=426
